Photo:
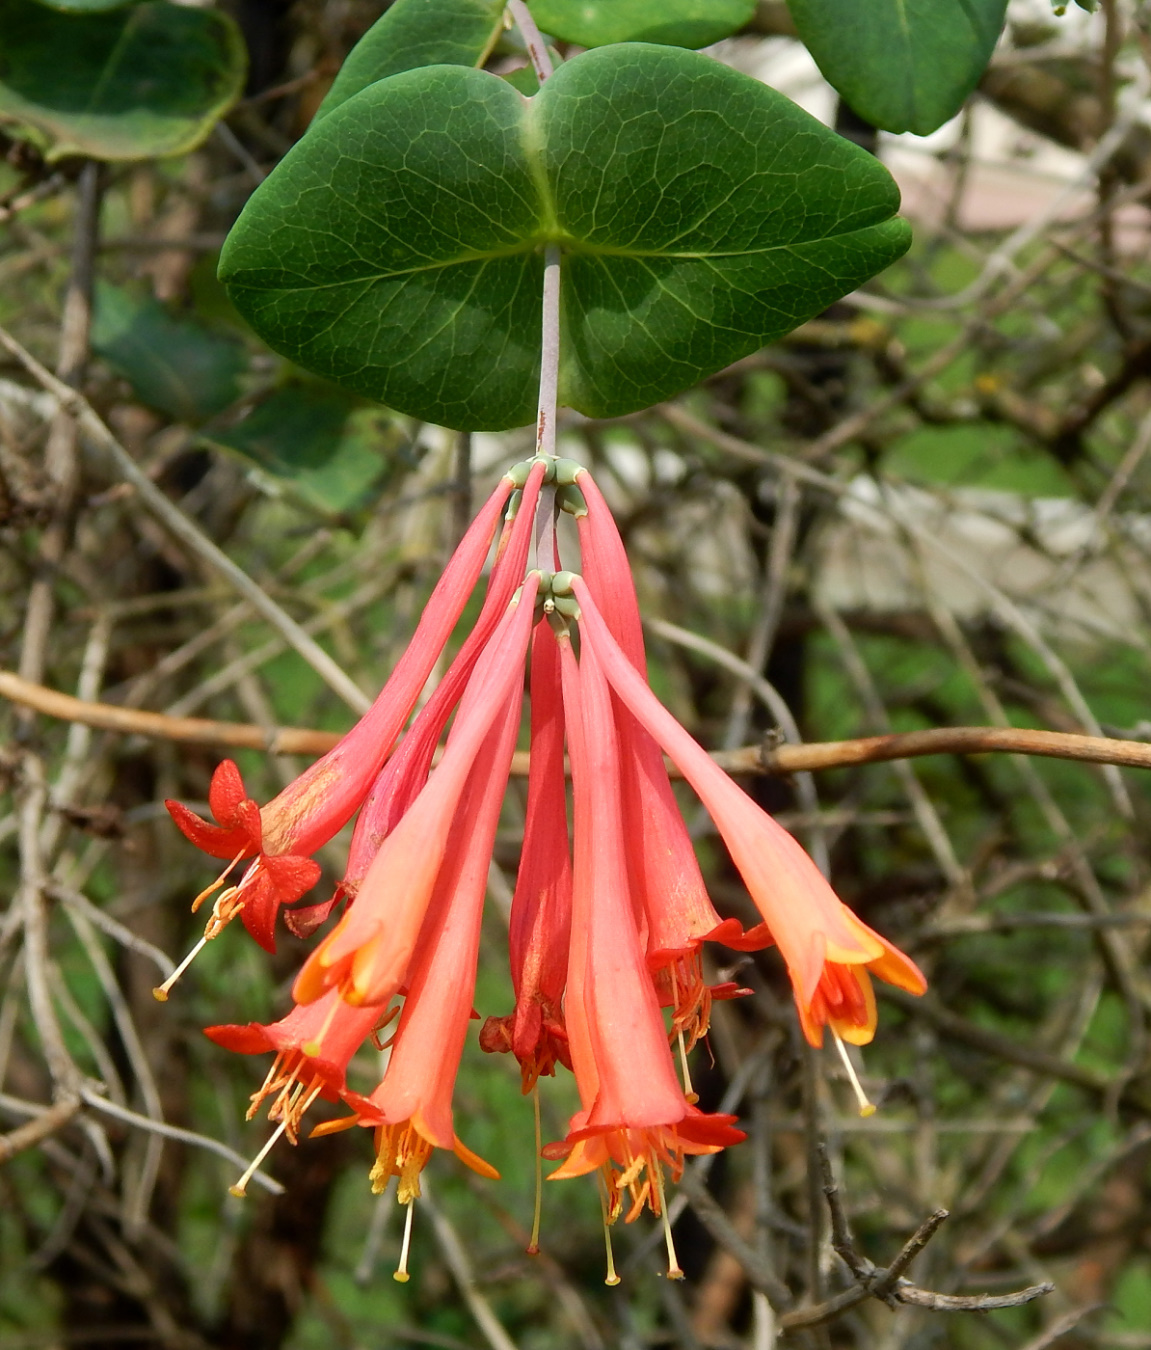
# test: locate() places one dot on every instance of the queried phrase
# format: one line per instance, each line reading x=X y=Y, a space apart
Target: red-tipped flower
x=635 y=1119
x=541 y=906
x=827 y=949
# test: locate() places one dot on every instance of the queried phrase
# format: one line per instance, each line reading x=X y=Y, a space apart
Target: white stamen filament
x=866 y=1106
x=611 y=1278
x=161 y=992
x=688 y=1091
x=241 y=1186
x=401 y=1271
x=673 y=1268
x=534 y=1244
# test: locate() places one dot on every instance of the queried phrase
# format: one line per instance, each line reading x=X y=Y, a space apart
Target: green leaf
x=85 y=6
x=175 y=365
x=904 y=65
x=415 y=33
x=323 y=445
x=148 y=80
x=398 y=248
x=679 y=23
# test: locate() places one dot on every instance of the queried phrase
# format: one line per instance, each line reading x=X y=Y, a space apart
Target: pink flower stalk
x=634 y=1118
x=311 y=810
x=661 y=861
x=412 y=1107
x=828 y=950
x=541 y=905
x=368 y=953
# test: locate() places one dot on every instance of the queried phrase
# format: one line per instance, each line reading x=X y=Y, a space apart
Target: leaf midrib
x=588 y=250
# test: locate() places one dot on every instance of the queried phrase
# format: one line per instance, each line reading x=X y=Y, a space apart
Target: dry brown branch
x=781 y=759
x=888 y=1284
x=38 y=1129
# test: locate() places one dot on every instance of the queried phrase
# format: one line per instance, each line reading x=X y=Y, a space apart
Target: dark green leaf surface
x=416 y=33
x=904 y=65
x=679 y=23
x=398 y=248
x=177 y=366
x=324 y=446
x=147 y=80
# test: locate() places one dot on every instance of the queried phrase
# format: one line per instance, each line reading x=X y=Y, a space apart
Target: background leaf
x=903 y=65
x=397 y=249
x=416 y=33
x=147 y=80
x=679 y=23
x=85 y=6
x=327 y=447
x=175 y=365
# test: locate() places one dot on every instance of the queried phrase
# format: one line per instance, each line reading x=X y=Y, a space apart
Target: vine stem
x=549 y=354
x=537 y=49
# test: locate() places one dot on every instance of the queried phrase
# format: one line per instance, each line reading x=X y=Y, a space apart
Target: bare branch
x=188 y=532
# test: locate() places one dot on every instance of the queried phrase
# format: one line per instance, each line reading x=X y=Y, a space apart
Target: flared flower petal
x=815 y=931
x=237 y=832
x=313 y=1047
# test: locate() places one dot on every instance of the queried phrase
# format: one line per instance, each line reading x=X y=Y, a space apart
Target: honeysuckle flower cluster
x=608 y=919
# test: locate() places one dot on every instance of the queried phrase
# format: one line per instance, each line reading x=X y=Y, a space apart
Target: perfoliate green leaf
x=176 y=365
x=325 y=446
x=679 y=23
x=903 y=65
x=133 y=83
x=416 y=33
x=398 y=248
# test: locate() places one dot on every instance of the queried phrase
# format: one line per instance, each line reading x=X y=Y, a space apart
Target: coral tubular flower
x=406 y=772
x=661 y=861
x=310 y=810
x=634 y=1119
x=412 y=1107
x=368 y=953
x=314 y=1045
x=828 y=950
x=541 y=906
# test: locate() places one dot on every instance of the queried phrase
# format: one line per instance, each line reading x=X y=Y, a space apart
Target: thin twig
x=188 y=532
x=461 y=1267
x=812 y=756
x=38 y=1129
x=101 y=1104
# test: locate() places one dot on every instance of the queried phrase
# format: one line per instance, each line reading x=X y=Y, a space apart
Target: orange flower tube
x=828 y=950
x=634 y=1118
x=312 y=809
x=369 y=951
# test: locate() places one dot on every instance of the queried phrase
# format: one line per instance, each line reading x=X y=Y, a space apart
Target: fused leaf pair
x=699 y=215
